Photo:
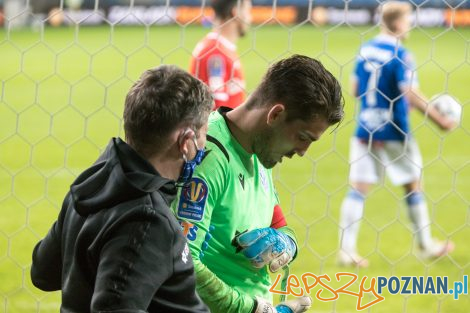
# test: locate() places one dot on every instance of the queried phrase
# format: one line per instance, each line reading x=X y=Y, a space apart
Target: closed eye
x=303 y=138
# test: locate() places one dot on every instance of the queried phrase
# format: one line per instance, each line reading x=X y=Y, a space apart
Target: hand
x=267 y=246
x=447 y=124
x=297 y=305
x=441 y=120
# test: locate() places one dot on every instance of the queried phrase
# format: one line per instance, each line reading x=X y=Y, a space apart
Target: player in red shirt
x=215 y=60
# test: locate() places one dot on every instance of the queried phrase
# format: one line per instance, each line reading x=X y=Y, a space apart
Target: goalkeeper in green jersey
x=229 y=211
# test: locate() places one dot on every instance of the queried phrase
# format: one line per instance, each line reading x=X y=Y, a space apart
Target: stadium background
x=61 y=98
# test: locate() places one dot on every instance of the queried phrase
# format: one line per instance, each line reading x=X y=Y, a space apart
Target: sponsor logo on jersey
x=375 y=119
x=241 y=178
x=193 y=200
x=263 y=178
x=185 y=253
x=216 y=70
x=189 y=230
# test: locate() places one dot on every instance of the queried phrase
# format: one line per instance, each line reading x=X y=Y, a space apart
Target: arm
x=47 y=264
x=354 y=86
x=46 y=268
x=219 y=296
x=267 y=246
x=226 y=299
x=275 y=245
x=133 y=262
x=354 y=79
x=409 y=86
x=416 y=99
x=279 y=222
x=291 y=234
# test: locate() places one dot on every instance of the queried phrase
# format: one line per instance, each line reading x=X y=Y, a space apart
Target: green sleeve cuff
x=220 y=297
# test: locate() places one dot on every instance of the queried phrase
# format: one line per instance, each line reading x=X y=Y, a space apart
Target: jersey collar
x=388 y=39
x=237 y=146
x=227 y=43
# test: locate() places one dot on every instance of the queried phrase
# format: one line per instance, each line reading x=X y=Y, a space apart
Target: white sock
x=351 y=215
x=418 y=212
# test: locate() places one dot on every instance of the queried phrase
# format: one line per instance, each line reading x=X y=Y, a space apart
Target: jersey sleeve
x=46 y=269
x=356 y=74
x=132 y=264
x=279 y=222
x=406 y=74
x=278 y=219
x=219 y=296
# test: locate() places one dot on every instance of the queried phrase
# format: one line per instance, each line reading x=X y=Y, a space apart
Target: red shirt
x=215 y=61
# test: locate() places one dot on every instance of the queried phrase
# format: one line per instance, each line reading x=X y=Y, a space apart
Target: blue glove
x=283 y=309
x=297 y=305
x=267 y=246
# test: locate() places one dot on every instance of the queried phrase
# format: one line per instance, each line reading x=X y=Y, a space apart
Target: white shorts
x=400 y=160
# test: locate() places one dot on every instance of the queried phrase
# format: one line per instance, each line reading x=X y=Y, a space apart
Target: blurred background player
x=228 y=209
x=116 y=246
x=386 y=84
x=215 y=60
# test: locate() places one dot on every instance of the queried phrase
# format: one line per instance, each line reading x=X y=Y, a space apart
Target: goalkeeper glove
x=267 y=246
x=297 y=305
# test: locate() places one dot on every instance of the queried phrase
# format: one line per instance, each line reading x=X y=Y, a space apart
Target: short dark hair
x=304 y=87
x=161 y=100
x=223 y=8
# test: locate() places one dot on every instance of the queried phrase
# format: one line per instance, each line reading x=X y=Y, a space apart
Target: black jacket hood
x=120 y=174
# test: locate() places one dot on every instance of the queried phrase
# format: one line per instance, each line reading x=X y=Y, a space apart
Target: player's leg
x=362 y=175
x=405 y=170
x=418 y=213
x=419 y=216
x=352 y=210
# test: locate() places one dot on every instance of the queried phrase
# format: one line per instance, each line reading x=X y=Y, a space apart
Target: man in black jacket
x=116 y=246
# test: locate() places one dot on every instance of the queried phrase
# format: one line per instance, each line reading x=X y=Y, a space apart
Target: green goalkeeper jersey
x=230 y=192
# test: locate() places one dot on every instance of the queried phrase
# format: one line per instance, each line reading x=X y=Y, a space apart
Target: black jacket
x=116 y=246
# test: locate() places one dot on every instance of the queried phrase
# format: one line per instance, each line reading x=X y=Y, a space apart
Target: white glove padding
x=267 y=246
x=279 y=262
x=297 y=305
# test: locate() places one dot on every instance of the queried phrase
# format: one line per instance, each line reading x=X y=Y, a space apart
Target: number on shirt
x=375 y=70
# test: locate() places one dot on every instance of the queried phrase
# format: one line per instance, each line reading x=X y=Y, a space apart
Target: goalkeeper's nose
x=301 y=151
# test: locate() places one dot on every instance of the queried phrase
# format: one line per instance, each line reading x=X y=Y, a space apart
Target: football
x=447 y=106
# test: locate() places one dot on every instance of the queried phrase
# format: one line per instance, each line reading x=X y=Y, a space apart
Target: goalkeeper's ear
x=233 y=13
x=276 y=115
x=236 y=10
x=185 y=138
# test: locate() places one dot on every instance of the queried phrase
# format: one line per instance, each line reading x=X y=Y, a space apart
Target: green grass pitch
x=61 y=99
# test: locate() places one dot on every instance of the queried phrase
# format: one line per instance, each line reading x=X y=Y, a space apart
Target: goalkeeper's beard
x=261 y=147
